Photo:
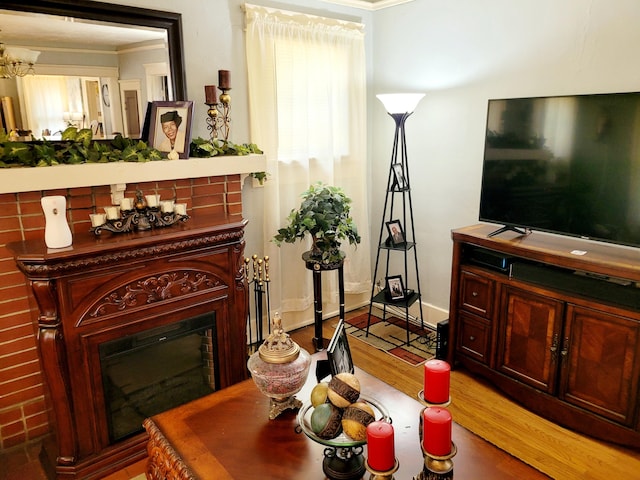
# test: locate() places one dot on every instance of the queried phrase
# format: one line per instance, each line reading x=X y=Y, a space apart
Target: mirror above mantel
x=105 y=59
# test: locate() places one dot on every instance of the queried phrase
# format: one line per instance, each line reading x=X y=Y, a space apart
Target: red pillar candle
x=436 y=381
x=210 y=94
x=380 y=445
x=224 y=79
x=436 y=431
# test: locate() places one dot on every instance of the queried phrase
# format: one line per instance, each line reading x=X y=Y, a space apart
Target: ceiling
x=27 y=29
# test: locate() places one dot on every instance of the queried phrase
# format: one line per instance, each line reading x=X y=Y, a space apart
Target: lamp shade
x=400 y=102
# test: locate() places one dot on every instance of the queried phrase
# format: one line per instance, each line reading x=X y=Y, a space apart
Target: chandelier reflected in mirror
x=16 y=61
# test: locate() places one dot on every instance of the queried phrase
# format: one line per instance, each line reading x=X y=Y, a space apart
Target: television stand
x=548 y=327
x=508 y=228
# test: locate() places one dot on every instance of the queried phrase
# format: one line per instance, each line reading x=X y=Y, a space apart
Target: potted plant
x=325 y=215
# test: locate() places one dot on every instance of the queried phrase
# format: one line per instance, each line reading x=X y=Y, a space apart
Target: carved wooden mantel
x=107 y=287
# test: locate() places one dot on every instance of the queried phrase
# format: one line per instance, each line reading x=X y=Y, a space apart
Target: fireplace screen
x=155 y=370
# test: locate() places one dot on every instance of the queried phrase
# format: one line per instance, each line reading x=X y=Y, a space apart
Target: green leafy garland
x=78 y=146
x=201 y=147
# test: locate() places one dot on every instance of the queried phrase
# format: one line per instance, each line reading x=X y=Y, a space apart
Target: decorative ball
x=344 y=389
x=325 y=421
x=355 y=419
x=319 y=394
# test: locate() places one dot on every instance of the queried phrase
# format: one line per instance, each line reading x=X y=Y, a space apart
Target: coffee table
x=228 y=435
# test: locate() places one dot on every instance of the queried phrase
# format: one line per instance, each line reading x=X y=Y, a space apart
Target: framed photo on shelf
x=398 y=175
x=395 y=288
x=170 y=128
x=338 y=351
x=396 y=234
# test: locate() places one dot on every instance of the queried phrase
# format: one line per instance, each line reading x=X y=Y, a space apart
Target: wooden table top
x=228 y=435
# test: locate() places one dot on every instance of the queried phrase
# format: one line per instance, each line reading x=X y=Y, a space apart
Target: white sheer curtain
x=45 y=100
x=307 y=100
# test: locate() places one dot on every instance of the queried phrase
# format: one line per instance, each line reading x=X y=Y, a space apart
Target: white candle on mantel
x=126 y=204
x=180 y=208
x=112 y=213
x=152 y=200
x=166 y=206
x=98 y=219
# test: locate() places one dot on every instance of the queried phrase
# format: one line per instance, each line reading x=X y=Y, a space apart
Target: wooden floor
x=555 y=451
x=559 y=453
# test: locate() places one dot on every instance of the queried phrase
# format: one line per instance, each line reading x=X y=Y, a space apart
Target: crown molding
x=369 y=5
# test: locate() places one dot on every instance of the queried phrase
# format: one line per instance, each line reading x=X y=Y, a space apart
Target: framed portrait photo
x=396 y=234
x=400 y=181
x=170 y=128
x=338 y=351
x=395 y=288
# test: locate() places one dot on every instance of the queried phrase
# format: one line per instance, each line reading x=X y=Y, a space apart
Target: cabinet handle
x=472 y=338
x=554 y=348
x=565 y=349
x=474 y=294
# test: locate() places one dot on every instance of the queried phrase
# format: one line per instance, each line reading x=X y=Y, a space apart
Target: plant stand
x=398 y=195
x=317 y=268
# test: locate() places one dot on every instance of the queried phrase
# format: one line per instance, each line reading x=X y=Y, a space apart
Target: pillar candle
x=224 y=79
x=210 y=94
x=152 y=200
x=98 y=219
x=380 y=445
x=436 y=381
x=112 y=213
x=126 y=204
x=180 y=208
x=166 y=206
x=436 y=431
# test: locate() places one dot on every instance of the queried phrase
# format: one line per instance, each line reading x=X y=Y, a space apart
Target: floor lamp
x=395 y=293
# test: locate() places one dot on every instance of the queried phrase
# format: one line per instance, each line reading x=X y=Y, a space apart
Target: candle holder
x=140 y=218
x=377 y=475
x=437 y=467
x=219 y=116
x=212 y=120
x=430 y=404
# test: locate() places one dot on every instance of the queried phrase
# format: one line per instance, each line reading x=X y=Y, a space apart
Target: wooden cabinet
x=553 y=326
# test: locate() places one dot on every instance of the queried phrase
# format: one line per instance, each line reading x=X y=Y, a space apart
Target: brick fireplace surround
x=23 y=415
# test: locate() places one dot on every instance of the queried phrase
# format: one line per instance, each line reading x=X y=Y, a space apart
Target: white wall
x=460 y=53
x=463 y=52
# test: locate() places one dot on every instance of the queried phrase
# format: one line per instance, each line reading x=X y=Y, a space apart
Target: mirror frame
x=114 y=13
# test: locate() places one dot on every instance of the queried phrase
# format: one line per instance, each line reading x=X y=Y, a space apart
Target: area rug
x=390 y=336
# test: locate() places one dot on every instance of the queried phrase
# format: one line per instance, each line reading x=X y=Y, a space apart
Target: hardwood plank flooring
x=555 y=451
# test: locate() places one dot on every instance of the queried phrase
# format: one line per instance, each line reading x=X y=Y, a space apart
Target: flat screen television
x=565 y=164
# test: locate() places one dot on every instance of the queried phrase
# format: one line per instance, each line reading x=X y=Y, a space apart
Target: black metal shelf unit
x=398 y=208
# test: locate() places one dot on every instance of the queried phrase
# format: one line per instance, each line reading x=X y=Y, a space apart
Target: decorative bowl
x=342 y=440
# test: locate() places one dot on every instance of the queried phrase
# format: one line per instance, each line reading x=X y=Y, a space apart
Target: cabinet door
x=600 y=363
x=529 y=338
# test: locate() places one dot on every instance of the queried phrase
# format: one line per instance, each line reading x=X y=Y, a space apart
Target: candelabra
x=218 y=113
x=144 y=214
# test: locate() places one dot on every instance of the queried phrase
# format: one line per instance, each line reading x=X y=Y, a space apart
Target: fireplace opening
x=157 y=369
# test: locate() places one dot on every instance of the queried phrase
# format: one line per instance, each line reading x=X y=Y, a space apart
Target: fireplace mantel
x=112 y=286
x=29 y=179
